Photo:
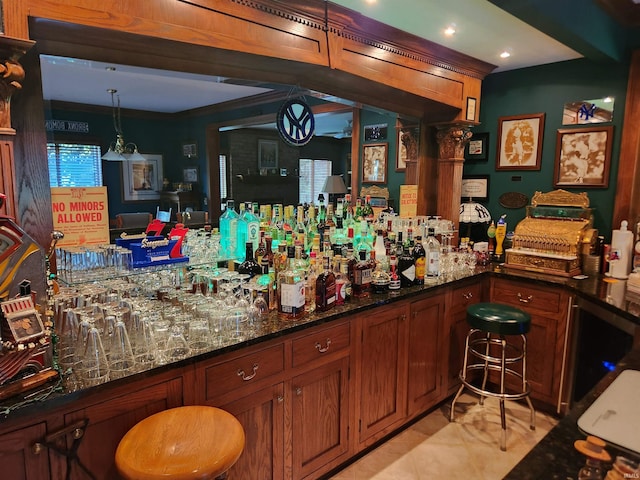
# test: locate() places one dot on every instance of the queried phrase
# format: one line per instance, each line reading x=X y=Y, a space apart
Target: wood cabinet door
x=426 y=321
x=261 y=414
x=320 y=418
x=18 y=459
x=382 y=371
x=111 y=418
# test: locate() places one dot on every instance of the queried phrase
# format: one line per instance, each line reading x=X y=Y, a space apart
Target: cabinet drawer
x=243 y=370
x=321 y=343
x=462 y=297
x=518 y=294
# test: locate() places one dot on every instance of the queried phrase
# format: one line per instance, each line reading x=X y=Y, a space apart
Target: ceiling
x=533 y=32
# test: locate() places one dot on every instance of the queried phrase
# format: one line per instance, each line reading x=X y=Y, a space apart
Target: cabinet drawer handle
x=467 y=295
x=246 y=378
x=280 y=398
x=37 y=448
x=298 y=391
x=322 y=349
x=522 y=299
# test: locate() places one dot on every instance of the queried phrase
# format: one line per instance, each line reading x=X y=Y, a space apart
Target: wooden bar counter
x=311 y=394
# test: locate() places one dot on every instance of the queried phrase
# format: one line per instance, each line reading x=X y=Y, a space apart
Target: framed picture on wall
x=583 y=157
x=520 y=142
x=374 y=163
x=477 y=149
x=267 y=154
x=142 y=179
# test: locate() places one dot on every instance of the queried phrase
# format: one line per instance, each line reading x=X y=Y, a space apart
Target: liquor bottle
x=347 y=288
x=277 y=222
x=311 y=224
x=380 y=279
x=367 y=210
x=249 y=265
x=229 y=231
x=248 y=230
x=362 y=276
x=310 y=286
x=268 y=242
x=406 y=268
x=261 y=250
x=264 y=284
x=339 y=239
x=381 y=251
x=394 y=281
x=325 y=287
x=358 y=216
x=432 y=250
x=291 y=295
x=322 y=219
x=301 y=229
x=331 y=219
x=420 y=260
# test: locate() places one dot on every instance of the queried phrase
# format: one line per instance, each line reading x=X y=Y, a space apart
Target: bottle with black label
x=406 y=268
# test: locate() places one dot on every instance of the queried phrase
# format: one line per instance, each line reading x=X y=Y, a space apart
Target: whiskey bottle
x=310 y=286
x=249 y=266
x=325 y=287
x=420 y=260
x=291 y=295
x=362 y=276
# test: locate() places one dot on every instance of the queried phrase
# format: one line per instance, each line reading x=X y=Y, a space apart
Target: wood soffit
x=346 y=23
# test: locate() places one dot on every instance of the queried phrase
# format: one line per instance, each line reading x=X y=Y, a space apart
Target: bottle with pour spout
x=621 y=252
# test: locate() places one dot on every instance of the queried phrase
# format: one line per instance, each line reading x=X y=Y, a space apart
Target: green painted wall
x=546 y=89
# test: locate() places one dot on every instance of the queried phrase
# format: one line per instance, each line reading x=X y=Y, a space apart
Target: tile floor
x=468 y=448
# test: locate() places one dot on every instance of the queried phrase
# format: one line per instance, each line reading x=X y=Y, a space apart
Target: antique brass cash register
x=556 y=232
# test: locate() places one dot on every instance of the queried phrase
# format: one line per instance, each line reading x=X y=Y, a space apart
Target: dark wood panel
x=320 y=417
x=262 y=417
x=17 y=457
x=426 y=322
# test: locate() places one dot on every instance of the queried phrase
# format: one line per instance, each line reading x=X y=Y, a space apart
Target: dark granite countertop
x=596 y=290
x=555 y=457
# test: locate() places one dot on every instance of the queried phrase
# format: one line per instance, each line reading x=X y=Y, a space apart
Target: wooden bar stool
x=183 y=443
x=490 y=324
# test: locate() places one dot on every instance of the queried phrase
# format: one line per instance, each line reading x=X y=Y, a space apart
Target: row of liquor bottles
x=303 y=224
x=295 y=282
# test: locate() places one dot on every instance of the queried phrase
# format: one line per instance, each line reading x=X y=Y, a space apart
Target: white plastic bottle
x=621 y=252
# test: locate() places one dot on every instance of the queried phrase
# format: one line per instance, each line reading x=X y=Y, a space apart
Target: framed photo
x=475 y=187
x=142 y=179
x=267 y=154
x=190 y=174
x=375 y=132
x=520 y=142
x=190 y=149
x=477 y=148
x=374 y=163
x=471 y=109
x=583 y=157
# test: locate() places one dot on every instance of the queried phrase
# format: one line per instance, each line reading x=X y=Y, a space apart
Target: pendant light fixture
x=119 y=151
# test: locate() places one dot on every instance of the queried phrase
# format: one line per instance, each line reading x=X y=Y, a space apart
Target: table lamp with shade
x=474 y=220
x=334 y=186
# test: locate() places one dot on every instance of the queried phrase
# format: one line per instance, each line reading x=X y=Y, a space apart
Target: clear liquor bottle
x=310 y=287
x=301 y=229
x=432 y=250
x=326 y=287
x=229 y=230
x=291 y=283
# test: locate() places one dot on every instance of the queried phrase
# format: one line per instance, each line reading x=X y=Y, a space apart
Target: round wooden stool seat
x=185 y=443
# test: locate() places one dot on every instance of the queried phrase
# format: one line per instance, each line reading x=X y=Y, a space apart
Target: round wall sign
x=295 y=122
x=513 y=200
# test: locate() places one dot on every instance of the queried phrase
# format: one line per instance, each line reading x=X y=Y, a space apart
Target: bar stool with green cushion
x=183 y=443
x=491 y=324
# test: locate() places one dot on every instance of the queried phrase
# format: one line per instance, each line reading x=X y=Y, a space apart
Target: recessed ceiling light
x=505 y=54
x=450 y=30
x=110 y=69
x=370 y=1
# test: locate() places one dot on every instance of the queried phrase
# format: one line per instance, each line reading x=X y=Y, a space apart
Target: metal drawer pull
x=467 y=295
x=521 y=299
x=280 y=398
x=298 y=391
x=244 y=376
x=322 y=349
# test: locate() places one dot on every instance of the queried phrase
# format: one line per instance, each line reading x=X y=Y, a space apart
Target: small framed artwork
x=375 y=132
x=190 y=149
x=520 y=142
x=374 y=163
x=583 y=157
x=283 y=172
x=471 y=109
x=477 y=148
x=190 y=174
x=475 y=187
x=142 y=179
x=267 y=154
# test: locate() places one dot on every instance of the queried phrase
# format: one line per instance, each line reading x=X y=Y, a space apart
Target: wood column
x=11 y=77
x=451 y=141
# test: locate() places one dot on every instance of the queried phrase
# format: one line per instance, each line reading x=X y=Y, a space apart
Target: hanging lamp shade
x=473 y=212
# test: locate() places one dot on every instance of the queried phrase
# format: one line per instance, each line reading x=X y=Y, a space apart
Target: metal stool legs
x=500 y=364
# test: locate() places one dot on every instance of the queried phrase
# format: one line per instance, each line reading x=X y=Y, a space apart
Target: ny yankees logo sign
x=295 y=122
